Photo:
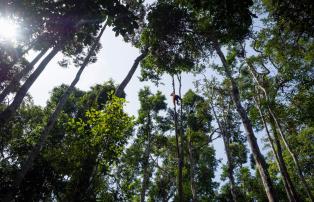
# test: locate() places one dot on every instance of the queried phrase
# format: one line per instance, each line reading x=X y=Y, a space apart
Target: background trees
x=253 y=62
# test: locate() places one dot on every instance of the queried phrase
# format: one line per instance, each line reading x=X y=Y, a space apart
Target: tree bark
x=181 y=124
x=258 y=157
x=124 y=83
x=11 y=109
x=181 y=132
x=283 y=137
x=21 y=74
x=180 y=174
x=293 y=155
x=26 y=166
x=289 y=187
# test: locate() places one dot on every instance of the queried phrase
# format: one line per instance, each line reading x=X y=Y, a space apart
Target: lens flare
x=8 y=29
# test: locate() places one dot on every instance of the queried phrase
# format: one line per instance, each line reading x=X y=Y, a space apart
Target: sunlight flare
x=8 y=29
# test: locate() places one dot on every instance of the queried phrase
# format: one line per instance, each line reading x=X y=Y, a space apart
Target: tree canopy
x=242 y=132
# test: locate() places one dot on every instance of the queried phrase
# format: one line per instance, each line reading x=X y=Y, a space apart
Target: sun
x=8 y=29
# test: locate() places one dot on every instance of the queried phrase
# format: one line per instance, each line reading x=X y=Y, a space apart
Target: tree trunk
x=180 y=175
x=277 y=124
x=21 y=74
x=293 y=155
x=290 y=190
x=26 y=166
x=192 y=173
x=124 y=83
x=181 y=124
x=225 y=138
x=258 y=157
x=11 y=109
x=282 y=163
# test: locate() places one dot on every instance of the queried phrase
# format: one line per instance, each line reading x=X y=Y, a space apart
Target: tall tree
x=214 y=28
x=138 y=159
x=72 y=34
x=227 y=130
x=17 y=78
x=199 y=136
x=277 y=89
x=151 y=105
x=51 y=121
x=275 y=143
x=62 y=165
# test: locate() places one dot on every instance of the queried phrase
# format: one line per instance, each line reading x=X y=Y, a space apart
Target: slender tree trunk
x=284 y=167
x=192 y=173
x=277 y=124
x=258 y=157
x=181 y=124
x=11 y=109
x=26 y=166
x=290 y=190
x=146 y=162
x=225 y=138
x=293 y=155
x=21 y=74
x=180 y=175
x=124 y=83
x=181 y=136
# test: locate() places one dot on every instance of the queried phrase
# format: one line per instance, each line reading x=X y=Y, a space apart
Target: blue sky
x=114 y=61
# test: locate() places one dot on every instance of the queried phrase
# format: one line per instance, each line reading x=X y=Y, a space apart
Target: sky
x=114 y=61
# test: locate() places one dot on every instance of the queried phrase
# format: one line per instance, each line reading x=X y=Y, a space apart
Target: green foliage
x=73 y=24
x=107 y=129
x=205 y=173
x=198 y=112
x=303 y=145
x=151 y=103
x=201 y=155
x=89 y=136
x=297 y=16
x=250 y=185
x=94 y=142
x=173 y=47
x=91 y=153
x=227 y=20
x=137 y=162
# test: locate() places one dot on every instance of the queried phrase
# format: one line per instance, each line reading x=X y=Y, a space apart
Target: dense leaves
x=244 y=133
